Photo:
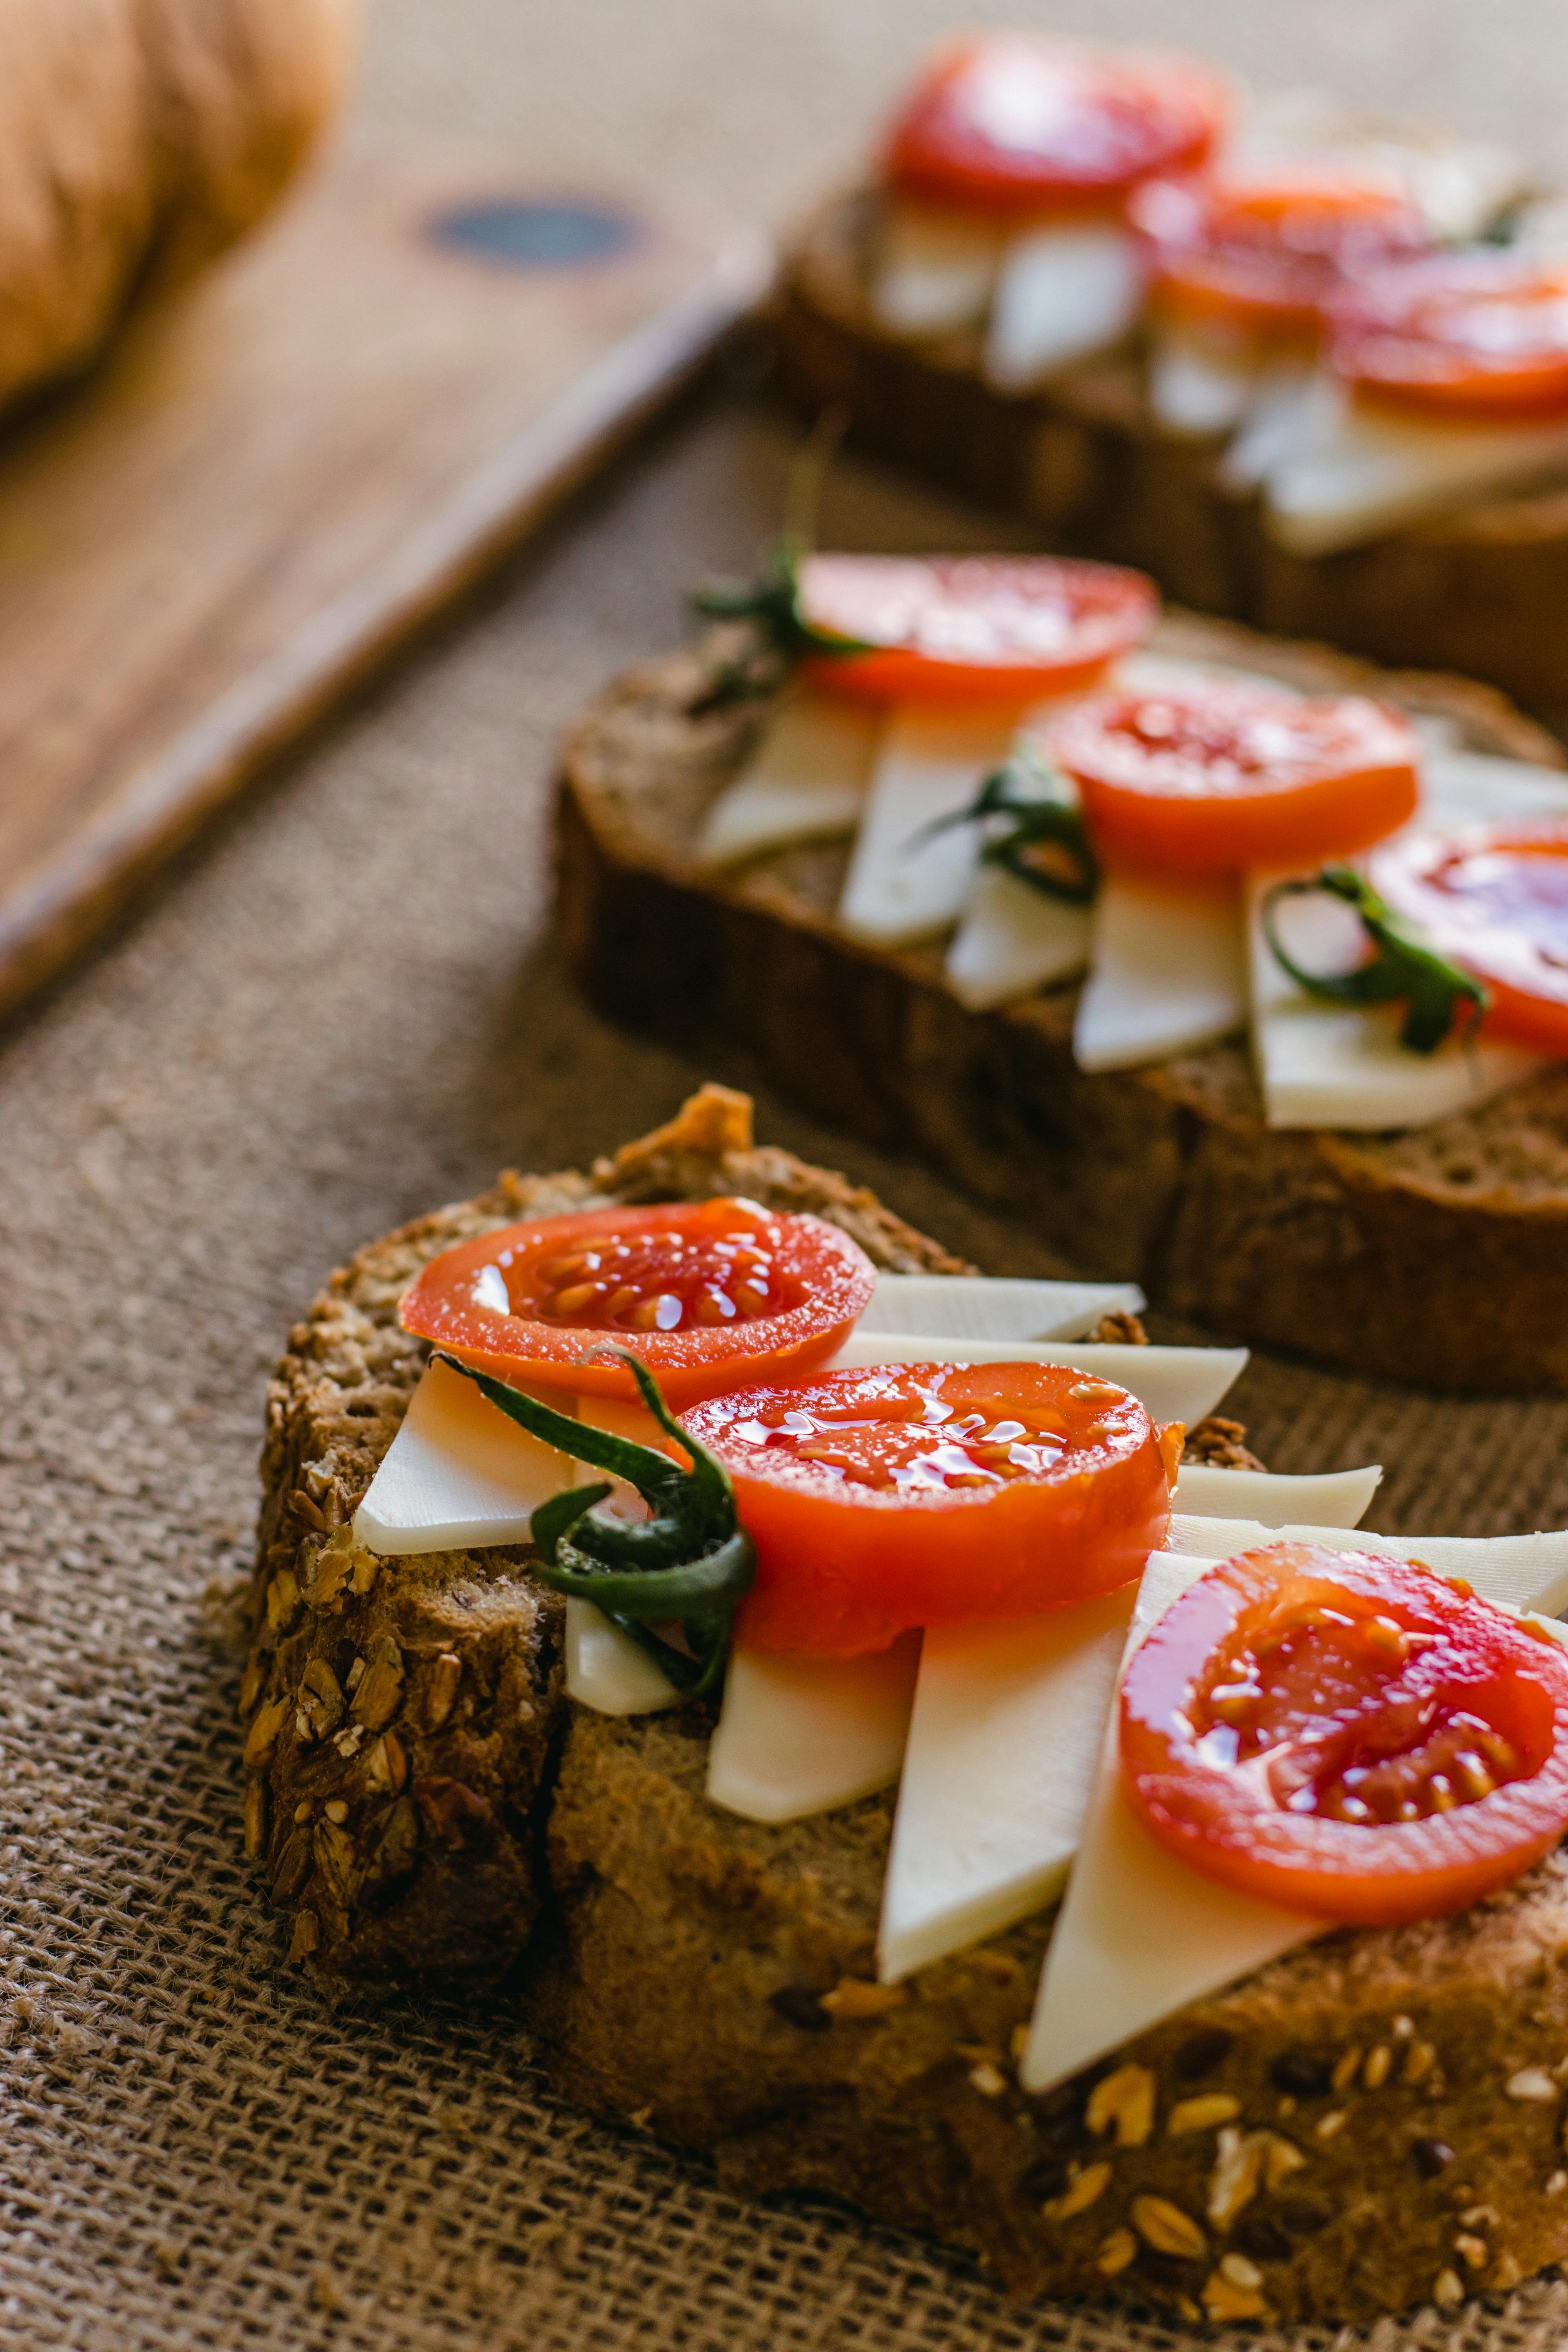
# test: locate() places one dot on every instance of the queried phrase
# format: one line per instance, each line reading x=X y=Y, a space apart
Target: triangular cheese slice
x=1335 y=1498
x=992 y=1306
x=1168 y=973
x=799 y=1736
x=1060 y=294
x=1004 y=1747
x=905 y=882
x=805 y=779
x=933 y=267
x=1140 y=1936
x=457 y=1475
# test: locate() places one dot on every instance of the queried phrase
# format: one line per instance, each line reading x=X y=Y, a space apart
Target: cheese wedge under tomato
x=1330 y=1065
x=933 y=268
x=1139 y=1934
x=992 y=1306
x=801 y=1735
x=906 y=883
x=1063 y=291
x=1349 y=472
x=1167 y=973
x=805 y=779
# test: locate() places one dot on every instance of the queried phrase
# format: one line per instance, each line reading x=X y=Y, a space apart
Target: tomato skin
x=844 y=1568
x=818 y=1282
x=1403 y=1661
x=972 y=628
x=1271 y=252
x=1494 y=897
x=1219 y=777
x=1481 y=335
x=1100 y=121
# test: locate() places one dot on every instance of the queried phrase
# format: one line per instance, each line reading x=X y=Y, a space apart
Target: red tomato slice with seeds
x=1481 y=334
x=706 y=1295
x=1013 y=123
x=971 y=628
x=935 y=1494
x=1271 y=253
x=1347 y=1735
x=1219 y=777
x=1494 y=898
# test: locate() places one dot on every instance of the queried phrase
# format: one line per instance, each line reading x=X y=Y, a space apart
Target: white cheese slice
x=1061 y=293
x=1351 y=472
x=1270 y=428
x=992 y=1306
x=1168 y=973
x=1459 y=787
x=1002 y=1750
x=904 y=883
x=1528 y=1571
x=1171 y=1383
x=459 y=1475
x=1342 y=1065
x=932 y=268
x=798 y=1736
x=1141 y=1935
x=1330 y=1498
x=1012 y=940
x=607 y=1670
x=1160 y=673
x=804 y=780
x=1198 y=386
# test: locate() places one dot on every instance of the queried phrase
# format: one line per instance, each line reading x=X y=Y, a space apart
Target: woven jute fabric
x=342 y=1010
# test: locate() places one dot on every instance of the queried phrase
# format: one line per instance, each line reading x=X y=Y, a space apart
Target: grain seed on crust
x=1125 y=2099
x=1083 y=2188
x=1120 y=2249
x=1205 y=2112
x=1169 y=2231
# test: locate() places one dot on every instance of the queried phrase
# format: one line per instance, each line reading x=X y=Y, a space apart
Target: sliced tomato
x=1493 y=898
x=706 y=1295
x=934 y=1494
x=1348 y=1735
x=1481 y=334
x=1219 y=776
x=1014 y=123
x=972 y=628
x=1269 y=253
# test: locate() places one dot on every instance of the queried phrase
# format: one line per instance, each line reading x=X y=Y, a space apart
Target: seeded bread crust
x=1439 y=1256
x=1476 y=590
x=1372 y=2122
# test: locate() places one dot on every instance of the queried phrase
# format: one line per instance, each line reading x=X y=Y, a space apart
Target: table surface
x=342 y=1008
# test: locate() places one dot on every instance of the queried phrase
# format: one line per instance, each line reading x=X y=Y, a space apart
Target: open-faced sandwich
x=980 y=866
x=689 y=1588
x=1308 y=370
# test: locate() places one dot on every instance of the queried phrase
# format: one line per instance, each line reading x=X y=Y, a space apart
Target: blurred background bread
x=137 y=139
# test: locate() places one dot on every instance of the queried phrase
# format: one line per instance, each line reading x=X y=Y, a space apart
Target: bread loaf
x=138 y=138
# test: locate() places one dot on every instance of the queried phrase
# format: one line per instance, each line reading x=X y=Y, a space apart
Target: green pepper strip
x=690 y=1560
x=1437 y=993
x=1043 y=815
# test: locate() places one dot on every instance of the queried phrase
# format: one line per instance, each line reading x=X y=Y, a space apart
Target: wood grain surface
x=280 y=477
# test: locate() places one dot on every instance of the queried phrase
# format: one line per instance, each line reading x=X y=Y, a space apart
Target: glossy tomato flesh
x=971 y=628
x=1493 y=898
x=1347 y=1735
x=1481 y=334
x=1013 y=124
x=1271 y=253
x=935 y=1493
x=706 y=1295
x=1220 y=777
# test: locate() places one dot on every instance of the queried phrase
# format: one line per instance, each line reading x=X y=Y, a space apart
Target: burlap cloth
x=341 y=1011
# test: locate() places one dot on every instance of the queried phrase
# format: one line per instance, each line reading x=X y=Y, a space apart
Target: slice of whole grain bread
x=1439 y=1256
x=1371 y=2121
x=1480 y=589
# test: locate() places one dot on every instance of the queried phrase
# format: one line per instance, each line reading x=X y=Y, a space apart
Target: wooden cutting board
x=280 y=475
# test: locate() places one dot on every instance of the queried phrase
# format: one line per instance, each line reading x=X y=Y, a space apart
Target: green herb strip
x=1402 y=968
x=689 y=1562
x=1044 y=818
